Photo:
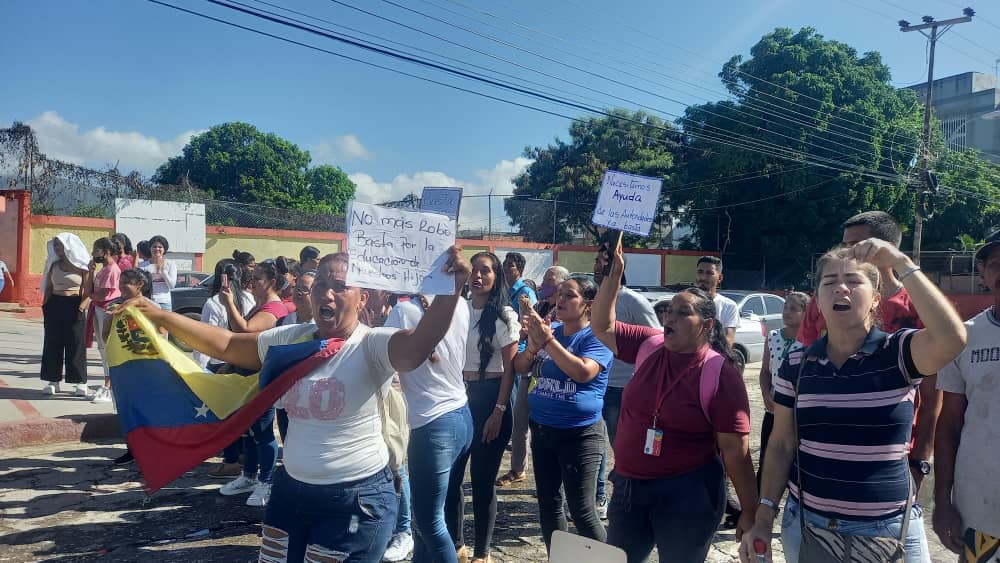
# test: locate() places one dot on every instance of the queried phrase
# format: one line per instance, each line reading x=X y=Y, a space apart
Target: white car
x=751 y=335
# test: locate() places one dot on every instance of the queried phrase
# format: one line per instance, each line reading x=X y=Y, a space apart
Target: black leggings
x=765 y=435
x=485 y=467
x=568 y=458
x=63 y=341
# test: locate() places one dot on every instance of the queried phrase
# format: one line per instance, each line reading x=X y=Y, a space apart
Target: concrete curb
x=72 y=428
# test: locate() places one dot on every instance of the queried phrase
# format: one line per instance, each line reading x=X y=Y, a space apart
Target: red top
x=289 y=305
x=894 y=313
x=688 y=438
x=276 y=308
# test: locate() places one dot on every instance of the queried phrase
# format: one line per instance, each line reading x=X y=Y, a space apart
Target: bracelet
x=907 y=273
x=501 y=407
x=768 y=503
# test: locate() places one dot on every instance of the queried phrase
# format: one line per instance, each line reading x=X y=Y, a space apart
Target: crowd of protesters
x=872 y=384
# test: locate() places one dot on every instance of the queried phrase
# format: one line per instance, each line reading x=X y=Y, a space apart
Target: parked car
x=188 y=301
x=190 y=279
x=751 y=337
x=758 y=306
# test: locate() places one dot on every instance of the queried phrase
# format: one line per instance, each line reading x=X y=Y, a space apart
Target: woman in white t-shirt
x=780 y=343
x=334 y=497
x=164 y=271
x=214 y=312
x=489 y=380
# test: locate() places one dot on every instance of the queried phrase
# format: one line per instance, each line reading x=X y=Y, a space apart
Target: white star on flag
x=201 y=411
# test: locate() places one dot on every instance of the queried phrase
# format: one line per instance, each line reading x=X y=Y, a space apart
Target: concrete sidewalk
x=28 y=417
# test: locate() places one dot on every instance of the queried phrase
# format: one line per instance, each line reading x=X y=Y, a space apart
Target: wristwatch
x=921 y=465
x=501 y=407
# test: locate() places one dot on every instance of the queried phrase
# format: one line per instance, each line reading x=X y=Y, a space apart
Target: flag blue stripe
x=148 y=392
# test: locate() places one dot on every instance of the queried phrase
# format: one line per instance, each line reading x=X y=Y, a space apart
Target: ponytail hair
x=236 y=273
x=717 y=338
x=275 y=270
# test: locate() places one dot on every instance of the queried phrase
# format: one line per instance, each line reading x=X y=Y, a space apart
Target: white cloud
x=475 y=212
x=63 y=140
x=345 y=147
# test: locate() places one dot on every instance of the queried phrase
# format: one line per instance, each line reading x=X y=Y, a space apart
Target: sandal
x=510 y=478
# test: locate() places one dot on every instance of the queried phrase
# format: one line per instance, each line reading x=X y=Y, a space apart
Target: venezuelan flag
x=176 y=415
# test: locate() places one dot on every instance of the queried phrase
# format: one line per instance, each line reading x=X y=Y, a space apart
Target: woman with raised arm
x=685 y=405
x=570 y=367
x=489 y=381
x=843 y=414
x=333 y=498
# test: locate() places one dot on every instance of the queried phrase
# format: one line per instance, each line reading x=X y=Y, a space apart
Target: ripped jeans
x=347 y=522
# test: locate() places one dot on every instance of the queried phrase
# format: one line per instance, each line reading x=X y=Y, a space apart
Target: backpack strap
x=711 y=370
x=646 y=349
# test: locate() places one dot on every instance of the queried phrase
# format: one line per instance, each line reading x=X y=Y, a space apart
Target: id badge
x=654 y=441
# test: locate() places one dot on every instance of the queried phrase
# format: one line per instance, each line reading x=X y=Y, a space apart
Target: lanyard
x=659 y=399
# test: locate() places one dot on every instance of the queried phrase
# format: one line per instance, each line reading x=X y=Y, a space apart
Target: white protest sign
x=445 y=201
x=399 y=251
x=627 y=202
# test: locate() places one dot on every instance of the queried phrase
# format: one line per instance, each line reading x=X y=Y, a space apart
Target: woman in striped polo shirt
x=844 y=409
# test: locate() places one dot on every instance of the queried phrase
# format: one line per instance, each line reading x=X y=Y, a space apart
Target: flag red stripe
x=164 y=454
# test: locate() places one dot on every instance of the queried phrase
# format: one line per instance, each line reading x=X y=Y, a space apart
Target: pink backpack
x=710 y=370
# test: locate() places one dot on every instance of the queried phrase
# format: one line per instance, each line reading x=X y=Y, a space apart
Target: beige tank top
x=63 y=281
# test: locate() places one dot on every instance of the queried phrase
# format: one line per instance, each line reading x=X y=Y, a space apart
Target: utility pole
x=489 y=205
x=554 y=222
x=933 y=36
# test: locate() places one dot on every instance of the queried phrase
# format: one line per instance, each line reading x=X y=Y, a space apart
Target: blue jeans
x=915 y=542
x=260 y=449
x=403 y=519
x=434 y=450
x=350 y=522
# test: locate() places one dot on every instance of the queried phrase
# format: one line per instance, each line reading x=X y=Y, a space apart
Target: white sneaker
x=81 y=390
x=260 y=495
x=103 y=395
x=241 y=484
x=400 y=547
x=51 y=388
x=602 y=509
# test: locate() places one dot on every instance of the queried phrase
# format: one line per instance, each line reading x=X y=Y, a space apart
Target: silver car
x=758 y=307
x=751 y=336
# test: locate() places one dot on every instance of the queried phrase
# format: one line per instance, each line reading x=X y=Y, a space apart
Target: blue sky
x=129 y=81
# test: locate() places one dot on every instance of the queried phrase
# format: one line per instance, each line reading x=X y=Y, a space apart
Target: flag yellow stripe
x=133 y=337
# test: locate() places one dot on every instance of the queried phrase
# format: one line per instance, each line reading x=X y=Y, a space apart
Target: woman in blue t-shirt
x=570 y=369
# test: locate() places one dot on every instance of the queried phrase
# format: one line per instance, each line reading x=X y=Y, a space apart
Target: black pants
x=485 y=467
x=568 y=458
x=678 y=515
x=765 y=435
x=63 y=342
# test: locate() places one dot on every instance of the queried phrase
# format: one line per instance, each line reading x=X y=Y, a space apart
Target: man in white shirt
x=708 y=277
x=966 y=490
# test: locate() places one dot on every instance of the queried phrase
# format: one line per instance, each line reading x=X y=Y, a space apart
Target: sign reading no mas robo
x=627 y=202
x=399 y=251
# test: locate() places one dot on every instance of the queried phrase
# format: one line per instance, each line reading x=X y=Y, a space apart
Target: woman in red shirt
x=669 y=482
x=260 y=448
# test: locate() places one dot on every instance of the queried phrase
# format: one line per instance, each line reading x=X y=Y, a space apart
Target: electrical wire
x=750 y=142
x=754 y=103
x=503 y=42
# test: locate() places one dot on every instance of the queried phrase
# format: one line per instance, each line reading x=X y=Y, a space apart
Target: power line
x=748 y=102
x=599 y=76
x=751 y=143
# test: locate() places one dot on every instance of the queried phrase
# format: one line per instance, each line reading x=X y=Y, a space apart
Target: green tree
x=571 y=172
x=330 y=189
x=798 y=97
x=237 y=162
x=967 y=208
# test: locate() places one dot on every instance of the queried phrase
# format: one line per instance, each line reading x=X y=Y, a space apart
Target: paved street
x=66 y=502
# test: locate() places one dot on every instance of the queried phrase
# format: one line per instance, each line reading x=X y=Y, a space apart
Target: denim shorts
x=351 y=521
x=915 y=542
